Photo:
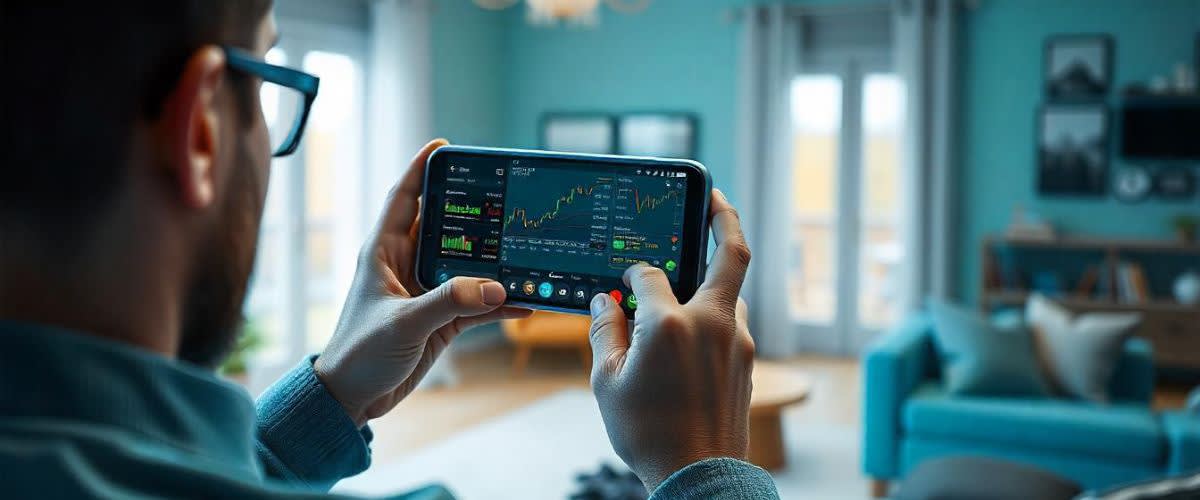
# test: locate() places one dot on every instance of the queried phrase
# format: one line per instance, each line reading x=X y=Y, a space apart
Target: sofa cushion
x=982 y=359
x=1128 y=432
x=1079 y=353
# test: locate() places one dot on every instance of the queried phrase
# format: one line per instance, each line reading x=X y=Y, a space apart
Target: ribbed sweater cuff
x=308 y=432
x=718 y=478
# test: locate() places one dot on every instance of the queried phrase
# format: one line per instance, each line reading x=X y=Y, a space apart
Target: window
x=882 y=249
x=816 y=125
x=846 y=251
x=313 y=221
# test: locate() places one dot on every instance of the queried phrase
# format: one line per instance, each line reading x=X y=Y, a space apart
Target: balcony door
x=845 y=230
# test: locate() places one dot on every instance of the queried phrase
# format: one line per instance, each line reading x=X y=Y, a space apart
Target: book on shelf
x=1087 y=283
x=1104 y=283
x=1132 y=287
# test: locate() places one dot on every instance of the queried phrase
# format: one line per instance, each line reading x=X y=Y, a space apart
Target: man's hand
x=389 y=334
x=677 y=390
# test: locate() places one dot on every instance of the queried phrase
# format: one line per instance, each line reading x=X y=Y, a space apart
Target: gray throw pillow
x=980 y=359
x=1079 y=353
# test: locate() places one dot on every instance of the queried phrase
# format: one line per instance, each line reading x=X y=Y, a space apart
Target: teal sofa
x=909 y=418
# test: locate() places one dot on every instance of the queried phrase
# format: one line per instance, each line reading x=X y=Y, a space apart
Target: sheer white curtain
x=399 y=93
x=770 y=51
x=399 y=115
x=926 y=48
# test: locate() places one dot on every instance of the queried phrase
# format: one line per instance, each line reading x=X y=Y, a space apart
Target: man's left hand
x=389 y=334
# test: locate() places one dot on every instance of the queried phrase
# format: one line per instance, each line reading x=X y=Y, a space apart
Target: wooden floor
x=486 y=389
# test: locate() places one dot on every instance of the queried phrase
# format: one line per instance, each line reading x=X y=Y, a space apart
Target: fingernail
x=721 y=194
x=492 y=292
x=599 y=304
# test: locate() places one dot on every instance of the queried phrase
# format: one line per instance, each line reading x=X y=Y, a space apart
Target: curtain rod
x=795 y=8
x=732 y=14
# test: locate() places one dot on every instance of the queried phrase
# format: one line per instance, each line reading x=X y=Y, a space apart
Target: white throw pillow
x=1079 y=353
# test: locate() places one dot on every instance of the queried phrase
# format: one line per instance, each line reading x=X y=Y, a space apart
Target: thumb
x=458 y=297
x=609 y=337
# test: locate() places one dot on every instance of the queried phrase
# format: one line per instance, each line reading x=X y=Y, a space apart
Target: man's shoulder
x=66 y=460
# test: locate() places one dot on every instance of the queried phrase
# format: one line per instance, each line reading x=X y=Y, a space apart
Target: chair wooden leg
x=521 y=359
x=879 y=488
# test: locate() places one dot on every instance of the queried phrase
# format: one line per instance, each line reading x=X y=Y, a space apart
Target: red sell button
x=616 y=295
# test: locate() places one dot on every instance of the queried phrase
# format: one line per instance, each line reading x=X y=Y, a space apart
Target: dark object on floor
x=983 y=479
x=1172 y=488
x=609 y=484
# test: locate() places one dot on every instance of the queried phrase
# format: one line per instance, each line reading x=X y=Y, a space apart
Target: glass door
x=844 y=222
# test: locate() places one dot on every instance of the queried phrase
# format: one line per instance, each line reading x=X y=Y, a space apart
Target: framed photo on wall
x=669 y=135
x=1072 y=150
x=1078 y=67
x=579 y=133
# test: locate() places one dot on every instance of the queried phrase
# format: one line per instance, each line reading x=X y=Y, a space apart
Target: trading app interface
x=556 y=232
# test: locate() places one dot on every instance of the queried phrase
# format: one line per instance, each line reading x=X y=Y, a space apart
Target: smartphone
x=558 y=228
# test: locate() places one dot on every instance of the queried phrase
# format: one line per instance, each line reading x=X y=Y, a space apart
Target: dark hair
x=79 y=77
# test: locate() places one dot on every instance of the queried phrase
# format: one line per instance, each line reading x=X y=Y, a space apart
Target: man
x=135 y=171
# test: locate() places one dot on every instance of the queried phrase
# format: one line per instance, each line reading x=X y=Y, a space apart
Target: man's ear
x=190 y=127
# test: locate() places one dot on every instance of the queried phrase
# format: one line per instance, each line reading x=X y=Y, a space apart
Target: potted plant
x=1185 y=227
x=248 y=342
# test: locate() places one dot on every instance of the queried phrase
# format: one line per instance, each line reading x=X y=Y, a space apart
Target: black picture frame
x=669 y=134
x=601 y=132
x=1078 y=67
x=1072 y=148
x=578 y=132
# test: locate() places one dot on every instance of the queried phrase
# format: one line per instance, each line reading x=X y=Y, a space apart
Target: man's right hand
x=677 y=389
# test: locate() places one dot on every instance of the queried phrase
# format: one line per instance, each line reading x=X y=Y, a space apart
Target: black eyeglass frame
x=300 y=81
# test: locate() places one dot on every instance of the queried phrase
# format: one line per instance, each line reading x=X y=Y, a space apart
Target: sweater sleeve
x=719 y=479
x=304 y=437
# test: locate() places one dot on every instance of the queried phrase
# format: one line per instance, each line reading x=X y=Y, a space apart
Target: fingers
x=458 y=297
x=731 y=259
x=651 y=287
x=500 y=314
x=609 y=336
x=401 y=208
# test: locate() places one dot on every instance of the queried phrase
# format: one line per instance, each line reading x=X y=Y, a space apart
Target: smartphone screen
x=557 y=229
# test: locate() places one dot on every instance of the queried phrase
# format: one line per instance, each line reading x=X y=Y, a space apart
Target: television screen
x=1161 y=128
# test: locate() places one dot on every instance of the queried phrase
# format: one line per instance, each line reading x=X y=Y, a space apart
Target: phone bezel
x=693 y=258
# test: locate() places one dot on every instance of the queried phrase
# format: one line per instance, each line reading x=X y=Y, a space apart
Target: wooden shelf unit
x=1171 y=327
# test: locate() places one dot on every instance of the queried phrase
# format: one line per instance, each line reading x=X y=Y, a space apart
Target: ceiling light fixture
x=551 y=12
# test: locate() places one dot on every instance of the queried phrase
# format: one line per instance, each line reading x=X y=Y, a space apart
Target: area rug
x=535 y=453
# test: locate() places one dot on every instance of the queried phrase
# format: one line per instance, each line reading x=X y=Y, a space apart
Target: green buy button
x=619 y=244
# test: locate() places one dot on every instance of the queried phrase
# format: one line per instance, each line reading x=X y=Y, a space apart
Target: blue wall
x=1002 y=87
x=495 y=76
x=469 y=72
x=674 y=56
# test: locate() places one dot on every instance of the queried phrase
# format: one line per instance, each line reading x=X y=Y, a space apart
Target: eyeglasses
x=287 y=96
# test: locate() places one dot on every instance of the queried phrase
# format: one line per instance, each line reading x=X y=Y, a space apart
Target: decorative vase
x=1187 y=288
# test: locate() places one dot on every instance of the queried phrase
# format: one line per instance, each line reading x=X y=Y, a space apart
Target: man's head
x=132 y=150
